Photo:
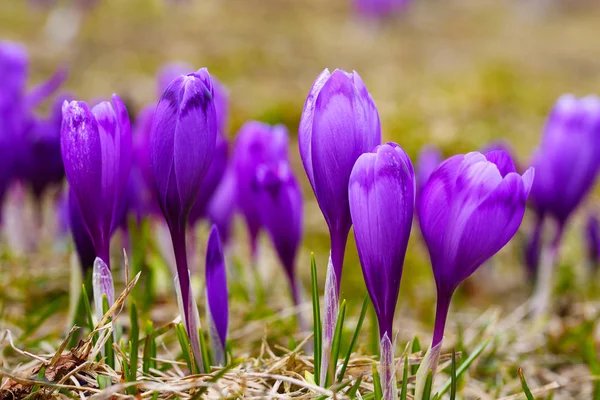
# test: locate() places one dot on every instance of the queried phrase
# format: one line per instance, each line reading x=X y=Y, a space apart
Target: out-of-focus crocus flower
x=427 y=161
x=182 y=143
x=81 y=238
x=533 y=249
x=96 y=152
x=281 y=216
x=592 y=240
x=566 y=164
x=257 y=143
x=222 y=205
x=339 y=123
x=169 y=72
x=382 y=198
x=380 y=8
x=217 y=304
x=471 y=207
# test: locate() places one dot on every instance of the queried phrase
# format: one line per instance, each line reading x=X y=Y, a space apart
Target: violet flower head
x=382 y=198
x=256 y=143
x=592 y=241
x=281 y=215
x=339 y=123
x=427 y=161
x=216 y=295
x=182 y=143
x=568 y=158
x=222 y=204
x=470 y=208
x=96 y=152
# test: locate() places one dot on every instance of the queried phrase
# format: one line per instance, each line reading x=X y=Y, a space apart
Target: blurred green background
x=456 y=73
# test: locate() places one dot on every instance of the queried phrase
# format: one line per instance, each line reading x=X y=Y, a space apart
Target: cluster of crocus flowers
x=339 y=123
x=96 y=151
x=566 y=164
x=182 y=143
x=471 y=206
x=382 y=196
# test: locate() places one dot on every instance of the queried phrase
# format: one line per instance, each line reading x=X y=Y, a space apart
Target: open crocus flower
x=382 y=197
x=182 y=143
x=339 y=123
x=471 y=207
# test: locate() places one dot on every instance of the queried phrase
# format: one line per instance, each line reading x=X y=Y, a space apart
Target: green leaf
x=103 y=381
x=335 y=345
x=415 y=348
x=218 y=375
x=377 y=384
x=41 y=376
x=453 y=377
x=354 y=389
x=206 y=356
x=404 y=393
x=427 y=387
x=363 y=313
x=526 y=390
x=317 y=330
x=149 y=344
x=464 y=366
x=184 y=343
x=109 y=352
x=133 y=344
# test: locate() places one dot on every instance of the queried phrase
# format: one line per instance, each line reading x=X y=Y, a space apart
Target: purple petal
x=216 y=285
x=222 y=205
x=502 y=160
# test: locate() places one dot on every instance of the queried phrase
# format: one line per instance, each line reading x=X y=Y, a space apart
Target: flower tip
x=528 y=178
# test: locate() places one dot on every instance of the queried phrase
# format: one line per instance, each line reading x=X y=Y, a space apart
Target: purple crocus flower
x=281 y=216
x=222 y=205
x=217 y=304
x=182 y=143
x=256 y=143
x=566 y=164
x=427 y=161
x=592 y=240
x=471 y=207
x=339 y=123
x=380 y=8
x=382 y=198
x=96 y=152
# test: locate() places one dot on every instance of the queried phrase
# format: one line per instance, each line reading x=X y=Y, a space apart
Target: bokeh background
x=456 y=73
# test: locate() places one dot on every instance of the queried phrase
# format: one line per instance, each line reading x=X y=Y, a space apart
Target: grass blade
x=109 y=352
x=428 y=385
x=149 y=345
x=354 y=389
x=415 y=348
x=453 y=377
x=133 y=345
x=404 y=393
x=526 y=390
x=206 y=355
x=185 y=347
x=363 y=313
x=464 y=366
x=377 y=384
x=335 y=346
x=316 y=318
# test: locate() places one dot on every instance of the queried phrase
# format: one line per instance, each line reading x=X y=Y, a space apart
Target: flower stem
x=441 y=314
x=541 y=298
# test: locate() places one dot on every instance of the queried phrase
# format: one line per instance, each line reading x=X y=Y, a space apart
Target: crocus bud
x=568 y=158
x=429 y=158
x=382 y=198
x=96 y=152
x=256 y=143
x=281 y=215
x=471 y=207
x=339 y=123
x=592 y=241
x=217 y=304
x=182 y=143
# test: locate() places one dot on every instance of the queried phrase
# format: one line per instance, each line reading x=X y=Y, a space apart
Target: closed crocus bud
x=182 y=144
x=339 y=123
x=281 y=215
x=568 y=158
x=222 y=205
x=256 y=143
x=470 y=208
x=217 y=303
x=592 y=241
x=96 y=152
x=382 y=198
x=427 y=161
